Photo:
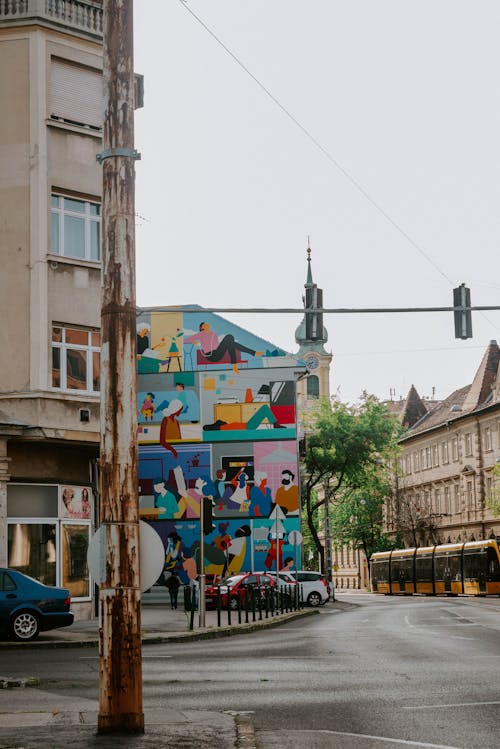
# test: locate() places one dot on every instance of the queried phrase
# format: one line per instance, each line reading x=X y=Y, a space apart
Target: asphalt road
x=401 y=672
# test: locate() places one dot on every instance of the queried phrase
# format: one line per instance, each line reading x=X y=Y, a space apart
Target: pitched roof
x=465 y=400
x=414 y=408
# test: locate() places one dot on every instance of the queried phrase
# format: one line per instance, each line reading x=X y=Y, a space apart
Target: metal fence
x=251 y=604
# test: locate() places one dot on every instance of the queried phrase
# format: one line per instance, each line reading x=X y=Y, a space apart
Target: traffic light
x=463 y=317
x=208 y=515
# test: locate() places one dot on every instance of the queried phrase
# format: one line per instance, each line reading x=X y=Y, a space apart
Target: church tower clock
x=311 y=336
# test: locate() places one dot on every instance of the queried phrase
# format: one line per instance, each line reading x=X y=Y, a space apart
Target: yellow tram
x=450 y=569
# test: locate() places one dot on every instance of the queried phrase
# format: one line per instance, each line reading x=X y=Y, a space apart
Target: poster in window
x=75 y=502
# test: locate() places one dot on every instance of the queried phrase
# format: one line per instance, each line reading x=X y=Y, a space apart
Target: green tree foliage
x=345 y=463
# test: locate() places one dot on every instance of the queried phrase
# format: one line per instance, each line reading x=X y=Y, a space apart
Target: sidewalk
x=30 y=718
x=159 y=624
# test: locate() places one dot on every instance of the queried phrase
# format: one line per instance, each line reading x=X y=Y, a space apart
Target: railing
x=84 y=16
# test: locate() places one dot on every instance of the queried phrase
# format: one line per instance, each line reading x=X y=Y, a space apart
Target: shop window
x=74 y=572
x=76 y=359
x=75 y=228
x=32 y=550
x=53 y=549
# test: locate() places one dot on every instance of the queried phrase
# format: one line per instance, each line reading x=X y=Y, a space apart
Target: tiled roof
x=464 y=401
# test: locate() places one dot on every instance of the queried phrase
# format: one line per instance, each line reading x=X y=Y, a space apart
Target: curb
x=155 y=639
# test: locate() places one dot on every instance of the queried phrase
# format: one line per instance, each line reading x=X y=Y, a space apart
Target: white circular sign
x=152 y=555
x=295 y=538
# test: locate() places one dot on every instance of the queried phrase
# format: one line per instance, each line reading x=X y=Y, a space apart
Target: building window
x=444 y=452
x=416 y=463
x=469 y=496
x=447 y=500
x=438 y=501
x=468 y=443
x=76 y=94
x=75 y=228
x=312 y=387
x=487 y=439
x=76 y=359
x=435 y=455
x=428 y=459
x=407 y=464
x=457 y=498
x=423 y=461
x=454 y=448
x=489 y=487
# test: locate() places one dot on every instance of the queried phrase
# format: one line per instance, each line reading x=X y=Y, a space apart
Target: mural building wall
x=217 y=418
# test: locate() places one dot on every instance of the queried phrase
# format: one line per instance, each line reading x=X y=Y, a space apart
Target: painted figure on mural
x=170 y=428
x=143 y=331
x=215 y=347
x=239 y=499
x=260 y=496
x=165 y=499
x=148 y=407
x=262 y=414
x=287 y=496
x=174 y=556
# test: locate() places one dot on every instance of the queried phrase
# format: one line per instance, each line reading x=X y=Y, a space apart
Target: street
x=400 y=671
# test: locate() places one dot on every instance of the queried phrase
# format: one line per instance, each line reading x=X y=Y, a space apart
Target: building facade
x=50 y=193
x=446 y=471
x=217 y=423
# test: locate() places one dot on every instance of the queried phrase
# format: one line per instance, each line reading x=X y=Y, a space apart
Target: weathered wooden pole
x=120 y=662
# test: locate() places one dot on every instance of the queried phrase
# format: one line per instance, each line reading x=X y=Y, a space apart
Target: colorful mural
x=216 y=418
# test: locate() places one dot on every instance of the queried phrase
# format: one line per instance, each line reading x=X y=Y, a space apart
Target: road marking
x=402 y=742
x=452 y=704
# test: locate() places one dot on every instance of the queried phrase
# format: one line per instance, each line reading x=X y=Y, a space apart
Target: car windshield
x=231 y=580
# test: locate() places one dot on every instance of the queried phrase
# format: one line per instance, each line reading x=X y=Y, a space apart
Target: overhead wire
x=362 y=190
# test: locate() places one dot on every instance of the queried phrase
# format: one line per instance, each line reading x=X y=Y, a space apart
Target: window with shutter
x=76 y=94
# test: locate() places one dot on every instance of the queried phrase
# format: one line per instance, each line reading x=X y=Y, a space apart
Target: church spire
x=311 y=335
x=309 y=279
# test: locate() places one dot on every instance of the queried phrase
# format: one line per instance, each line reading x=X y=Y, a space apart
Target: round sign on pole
x=295 y=538
x=152 y=555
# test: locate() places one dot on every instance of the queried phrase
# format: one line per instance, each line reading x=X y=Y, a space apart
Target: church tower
x=311 y=336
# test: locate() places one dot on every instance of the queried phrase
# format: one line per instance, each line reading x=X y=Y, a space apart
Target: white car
x=315 y=588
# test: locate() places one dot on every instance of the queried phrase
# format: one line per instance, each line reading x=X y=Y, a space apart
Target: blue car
x=27 y=607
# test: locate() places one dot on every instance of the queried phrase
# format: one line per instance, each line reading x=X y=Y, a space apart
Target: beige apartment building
x=50 y=196
x=446 y=468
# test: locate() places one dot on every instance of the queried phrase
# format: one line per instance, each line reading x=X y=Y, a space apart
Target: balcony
x=81 y=17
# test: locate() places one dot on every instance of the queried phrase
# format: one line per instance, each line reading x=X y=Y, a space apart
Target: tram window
x=423 y=568
x=445 y=566
x=493 y=565
x=455 y=566
x=474 y=564
x=380 y=571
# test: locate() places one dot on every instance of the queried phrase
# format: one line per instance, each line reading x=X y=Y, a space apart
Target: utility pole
x=120 y=662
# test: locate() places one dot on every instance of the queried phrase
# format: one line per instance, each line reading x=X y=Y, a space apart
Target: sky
x=371 y=128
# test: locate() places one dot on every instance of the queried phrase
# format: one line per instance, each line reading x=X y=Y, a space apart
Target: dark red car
x=238 y=587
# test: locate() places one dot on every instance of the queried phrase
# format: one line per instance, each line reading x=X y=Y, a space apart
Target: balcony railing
x=81 y=16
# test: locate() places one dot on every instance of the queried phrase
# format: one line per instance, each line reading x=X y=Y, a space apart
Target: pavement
x=31 y=717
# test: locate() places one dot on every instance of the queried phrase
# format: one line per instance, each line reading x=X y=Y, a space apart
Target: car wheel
x=25 y=626
x=314 y=599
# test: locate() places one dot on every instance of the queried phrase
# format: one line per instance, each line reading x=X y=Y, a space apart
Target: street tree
x=345 y=454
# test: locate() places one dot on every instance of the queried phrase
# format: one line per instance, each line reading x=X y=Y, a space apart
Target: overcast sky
x=371 y=127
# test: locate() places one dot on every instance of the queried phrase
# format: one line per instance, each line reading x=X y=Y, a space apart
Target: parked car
x=234 y=588
x=27 y=607
x=284 y=578
x=315 y=588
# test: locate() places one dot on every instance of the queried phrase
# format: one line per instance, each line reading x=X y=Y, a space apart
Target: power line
x=318 y=145
x=362 y=190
